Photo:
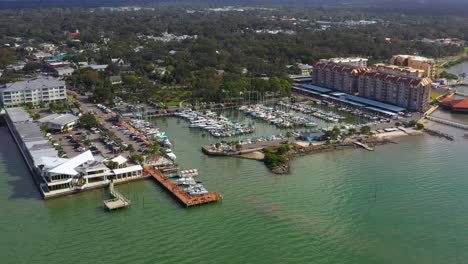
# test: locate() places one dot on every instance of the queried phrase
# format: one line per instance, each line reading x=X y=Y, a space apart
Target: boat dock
x=364 y=146
x=182 y=196
x=118 y=201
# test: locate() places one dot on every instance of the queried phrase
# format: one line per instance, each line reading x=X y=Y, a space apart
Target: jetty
x=182 y=196
x=448 y=122
x=362 y=145
x=117 y=201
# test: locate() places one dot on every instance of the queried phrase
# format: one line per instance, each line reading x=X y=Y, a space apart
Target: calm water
x=404 y=203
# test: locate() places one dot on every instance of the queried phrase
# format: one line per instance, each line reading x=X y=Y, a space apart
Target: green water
x=403 y=203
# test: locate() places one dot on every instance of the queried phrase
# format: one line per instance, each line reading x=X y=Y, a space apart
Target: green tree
x=89 y=120
x=365 y=130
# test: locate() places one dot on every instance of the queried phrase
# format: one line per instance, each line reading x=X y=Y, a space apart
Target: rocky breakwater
x=278 y=161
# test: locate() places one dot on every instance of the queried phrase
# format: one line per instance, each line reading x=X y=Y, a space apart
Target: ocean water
x=403 y=203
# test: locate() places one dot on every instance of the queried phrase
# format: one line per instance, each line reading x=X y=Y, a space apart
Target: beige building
x=399 y=70
x=407 y=92
x=355 y=62
x=340 y=77
x=416 y=62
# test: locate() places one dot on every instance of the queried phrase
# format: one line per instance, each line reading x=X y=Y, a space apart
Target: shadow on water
x=19 y=177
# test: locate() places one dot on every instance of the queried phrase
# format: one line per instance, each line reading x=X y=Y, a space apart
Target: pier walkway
x=181 y=195
x=364 y=146
x=118 y=200
x=448 y=122
x=461 y=94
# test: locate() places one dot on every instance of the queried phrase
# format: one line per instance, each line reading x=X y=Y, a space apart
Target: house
x=64 y=71
x=118 y=61
x=47 y=47
x=115 y=79
x=40 y=56
x=97 y=67
x=60 y=122
x=306 y=69
x=83 y=64
x=74 y=34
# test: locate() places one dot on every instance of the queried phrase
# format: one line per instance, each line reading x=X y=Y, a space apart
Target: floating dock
x=183 y=197
x=118 y=201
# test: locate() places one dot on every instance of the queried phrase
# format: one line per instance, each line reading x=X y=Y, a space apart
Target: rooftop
x=60 y=120
x=18 y=114
x=34 y=84
x=315 y=88
x=68 y=167
x=377 y=104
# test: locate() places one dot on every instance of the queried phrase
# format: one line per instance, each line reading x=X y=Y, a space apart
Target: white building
x=35 y=90
x=64 y=71
x=306 y=69
x=78 y=173
x=84 y=172
x=60 y=122
x=41 y=56
x=356 y=62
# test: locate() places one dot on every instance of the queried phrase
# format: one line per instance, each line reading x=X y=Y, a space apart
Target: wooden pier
x=181 y=195
x=118 y=201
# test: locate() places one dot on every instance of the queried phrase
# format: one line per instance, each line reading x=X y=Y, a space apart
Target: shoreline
x=299 y=151
x=303 y=148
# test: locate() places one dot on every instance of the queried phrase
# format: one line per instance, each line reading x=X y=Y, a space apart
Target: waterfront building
x=401 y=86
x=355 y=62
x=407 y=92
x=337 y=76
x=455 y=105
x=78 y=173
x=416 y=62
x=34 y=91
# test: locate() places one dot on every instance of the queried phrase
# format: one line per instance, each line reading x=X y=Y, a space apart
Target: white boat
x=188 y=173
x=171 y=156
x=185 y=181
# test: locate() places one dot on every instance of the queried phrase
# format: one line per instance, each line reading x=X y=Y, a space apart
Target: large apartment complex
x=416 y=62
x=34 y=91
x=402 y=86
x=407 y=92
x=340 y=77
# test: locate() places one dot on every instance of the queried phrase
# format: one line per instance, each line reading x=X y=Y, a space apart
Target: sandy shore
x=400 y=133
x=256 y=155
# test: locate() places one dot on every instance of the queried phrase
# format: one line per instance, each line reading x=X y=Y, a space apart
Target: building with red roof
x=73 y=34
x=384 y=84
x=455 y=105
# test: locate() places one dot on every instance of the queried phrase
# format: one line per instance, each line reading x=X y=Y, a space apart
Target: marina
x=279 y=118
x=216 y=125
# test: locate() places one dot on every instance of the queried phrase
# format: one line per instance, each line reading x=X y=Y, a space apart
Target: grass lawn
x=434 y=95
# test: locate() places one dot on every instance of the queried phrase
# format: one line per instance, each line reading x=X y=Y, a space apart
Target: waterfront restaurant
x=78 y=173
x=455 y=105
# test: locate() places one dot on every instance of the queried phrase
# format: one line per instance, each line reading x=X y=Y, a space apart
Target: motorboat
x=188 y=173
